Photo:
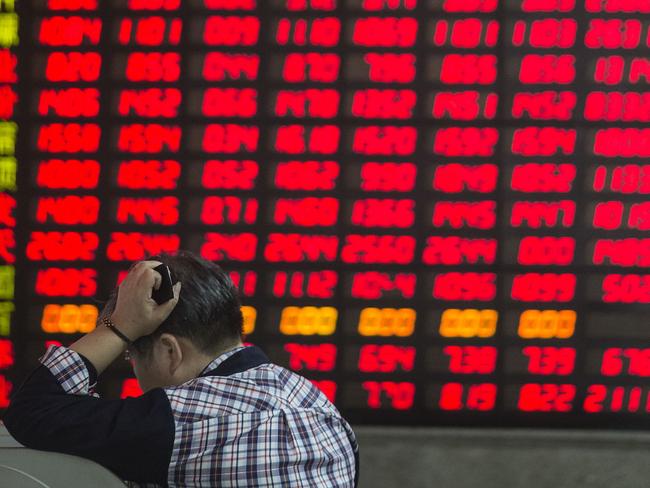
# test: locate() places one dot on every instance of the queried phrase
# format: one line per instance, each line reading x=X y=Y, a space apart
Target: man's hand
x=136 y=313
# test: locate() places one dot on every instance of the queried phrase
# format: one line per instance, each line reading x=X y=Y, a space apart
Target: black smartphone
x=165 y=292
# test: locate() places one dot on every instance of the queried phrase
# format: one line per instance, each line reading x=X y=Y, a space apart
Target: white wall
x=459 y=458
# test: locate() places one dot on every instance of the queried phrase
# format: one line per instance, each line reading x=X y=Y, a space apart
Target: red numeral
x=307 y=103
x=313 y=284
x=547 y=105
x=220 y=66
x=550 y=360
x=390 y=68
x=378 y=249
x=62 y=246
x=229 y=174
x=70 y=102
x=153 y=67
x=385 y=212
x=236 y=247
x=5 y=390
x=293 y=248
x=383 y=104
x=388 y=176
x=316 y=357
x=471 y=359
x=371 y=285
x=546 y=250
x=465 y=141
x=68 y=173
x=543 y=287
x=613 y=34
x=68 y=138
x=469 y=69
x=301 y=32
x=622 y=252
x=6 y=353
x=536 y=397
x=400 y=395
x=69 y=31
x=66 y=282
x=546 y=214
x=476 y=215
x=231 y=31
x=457 y=250
x=306 y=175
x=230 y=138
x=456 y=178
x=135 y=246
x=465 y=286
x=547 y=69
x=544 y=177
x=385 y=31
x=456 y=396
x=387 y=140
x=631 y=288
x=151 y=102
x=308 y=212
x=73 y=66
x=70 y=210
x=149 y=138
x=163 y=211
x=149 y=174
x=386 y=359
x=626 y=143
x=229 y=210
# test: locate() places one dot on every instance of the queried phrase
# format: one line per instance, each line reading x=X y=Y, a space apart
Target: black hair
x=208 y=312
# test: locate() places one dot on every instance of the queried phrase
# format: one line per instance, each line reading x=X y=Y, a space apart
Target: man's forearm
x=101 y=347
x=53 y=410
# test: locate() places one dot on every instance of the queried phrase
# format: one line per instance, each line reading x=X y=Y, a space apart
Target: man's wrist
x=125 y=327
x=101 y=347
x=107 y=336
x=119 y=328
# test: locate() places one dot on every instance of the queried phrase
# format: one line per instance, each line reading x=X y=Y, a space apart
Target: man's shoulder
x=264 y=388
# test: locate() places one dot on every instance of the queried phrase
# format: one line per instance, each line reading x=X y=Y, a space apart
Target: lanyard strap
x=247 y=358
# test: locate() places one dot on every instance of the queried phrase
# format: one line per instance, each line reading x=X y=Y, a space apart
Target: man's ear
x=172 y=351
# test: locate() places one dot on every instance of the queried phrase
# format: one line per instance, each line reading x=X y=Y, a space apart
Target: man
x=214 y=412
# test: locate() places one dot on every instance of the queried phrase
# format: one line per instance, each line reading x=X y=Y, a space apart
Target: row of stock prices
x=436 y=210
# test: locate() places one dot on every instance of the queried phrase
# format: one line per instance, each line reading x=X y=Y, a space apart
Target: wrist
x=101 y=347
x=117 y=327
x=124 y=325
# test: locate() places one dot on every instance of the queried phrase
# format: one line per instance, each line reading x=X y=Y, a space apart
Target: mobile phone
x=165 y=292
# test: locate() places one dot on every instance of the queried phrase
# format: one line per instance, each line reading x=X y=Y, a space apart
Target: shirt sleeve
x=55 y=410
x=74 y=372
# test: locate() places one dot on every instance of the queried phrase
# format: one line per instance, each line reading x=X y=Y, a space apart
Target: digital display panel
x=436 y=210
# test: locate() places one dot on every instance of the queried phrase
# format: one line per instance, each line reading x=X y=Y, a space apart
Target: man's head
x=206 y=321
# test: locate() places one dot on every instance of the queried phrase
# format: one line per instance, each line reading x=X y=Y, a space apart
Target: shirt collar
x=220 y=359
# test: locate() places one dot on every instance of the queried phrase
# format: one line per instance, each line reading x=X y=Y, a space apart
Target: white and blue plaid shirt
x=258 y=426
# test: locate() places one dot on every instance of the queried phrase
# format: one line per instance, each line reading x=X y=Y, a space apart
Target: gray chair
x=27 y=468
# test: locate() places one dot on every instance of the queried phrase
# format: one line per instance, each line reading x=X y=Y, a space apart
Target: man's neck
x=207 y=359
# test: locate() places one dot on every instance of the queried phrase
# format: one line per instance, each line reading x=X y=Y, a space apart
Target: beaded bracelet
x=109 y=324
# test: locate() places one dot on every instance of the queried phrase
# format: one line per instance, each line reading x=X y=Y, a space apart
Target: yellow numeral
x=547 y=324
x=69 y=319
x=250 y=314
x=468 y=322
x=308 y=320
x=387 y=322
x=6 y=308
x=7 y=275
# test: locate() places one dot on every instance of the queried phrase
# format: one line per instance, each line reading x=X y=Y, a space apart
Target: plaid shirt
x=263 y=426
